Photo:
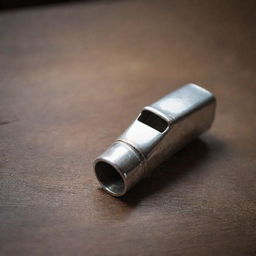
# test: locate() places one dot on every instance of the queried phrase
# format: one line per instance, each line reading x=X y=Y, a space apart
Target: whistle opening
x=110 y=178
x=153 y=120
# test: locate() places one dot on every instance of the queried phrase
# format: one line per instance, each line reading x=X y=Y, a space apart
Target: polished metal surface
x=160 y=130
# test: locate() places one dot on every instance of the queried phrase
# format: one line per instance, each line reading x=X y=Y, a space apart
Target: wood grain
x=72 y=78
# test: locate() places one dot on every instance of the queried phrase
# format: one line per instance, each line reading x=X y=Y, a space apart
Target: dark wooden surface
x=73 y=77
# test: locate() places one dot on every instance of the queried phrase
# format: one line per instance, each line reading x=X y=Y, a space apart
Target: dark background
x=13 y=4
x=72 y=78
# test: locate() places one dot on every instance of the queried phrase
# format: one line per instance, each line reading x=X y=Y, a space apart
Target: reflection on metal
x=159 y=131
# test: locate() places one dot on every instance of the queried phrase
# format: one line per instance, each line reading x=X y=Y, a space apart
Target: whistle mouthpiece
x=159 y=131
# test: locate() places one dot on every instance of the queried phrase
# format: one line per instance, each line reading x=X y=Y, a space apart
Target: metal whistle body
x=160 y=130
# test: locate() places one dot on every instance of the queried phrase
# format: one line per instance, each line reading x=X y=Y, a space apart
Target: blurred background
x=73 y=75
x=5 y=4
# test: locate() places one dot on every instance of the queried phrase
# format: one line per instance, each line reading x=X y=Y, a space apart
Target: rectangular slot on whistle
x=153 y=120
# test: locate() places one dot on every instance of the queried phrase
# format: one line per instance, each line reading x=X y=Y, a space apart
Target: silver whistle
x=160 y=130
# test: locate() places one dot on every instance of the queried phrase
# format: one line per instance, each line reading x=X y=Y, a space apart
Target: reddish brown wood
x=73 y=76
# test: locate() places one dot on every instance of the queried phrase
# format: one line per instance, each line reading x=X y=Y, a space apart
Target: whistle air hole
x=152 y=120
x=109 y=177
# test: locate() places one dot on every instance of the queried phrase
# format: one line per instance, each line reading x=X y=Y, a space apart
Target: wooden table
x=73 y=77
